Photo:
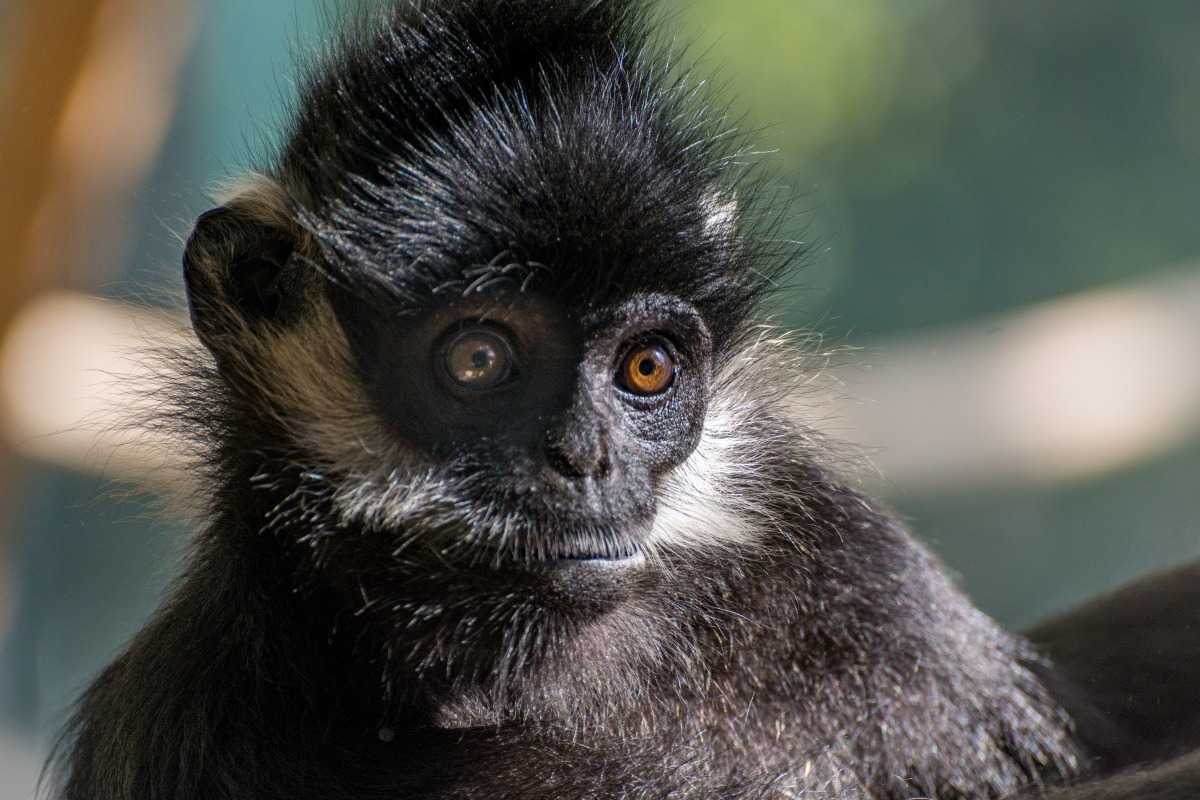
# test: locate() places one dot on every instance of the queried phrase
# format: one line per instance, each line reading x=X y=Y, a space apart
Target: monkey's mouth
x=590 y=550
x=541 y=555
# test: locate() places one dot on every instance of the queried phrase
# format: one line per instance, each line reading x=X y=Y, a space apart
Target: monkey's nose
x=578 y=455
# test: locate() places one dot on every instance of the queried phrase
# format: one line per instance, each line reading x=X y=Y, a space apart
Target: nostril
x=562 y=462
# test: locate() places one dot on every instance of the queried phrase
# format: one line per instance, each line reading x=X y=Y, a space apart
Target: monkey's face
x=550 y=428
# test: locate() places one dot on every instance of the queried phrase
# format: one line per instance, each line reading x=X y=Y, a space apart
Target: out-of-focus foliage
x=962 y=156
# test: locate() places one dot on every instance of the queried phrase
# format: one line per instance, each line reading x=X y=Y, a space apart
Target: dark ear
x=240 y=276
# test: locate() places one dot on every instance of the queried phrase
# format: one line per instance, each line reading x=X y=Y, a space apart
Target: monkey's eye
x=647 y=369
x=478 y=359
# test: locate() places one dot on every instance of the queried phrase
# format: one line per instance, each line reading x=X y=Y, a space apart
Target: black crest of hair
x=546 y=135
x=507 y=494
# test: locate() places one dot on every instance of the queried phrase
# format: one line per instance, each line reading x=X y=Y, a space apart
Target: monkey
x=506 y=495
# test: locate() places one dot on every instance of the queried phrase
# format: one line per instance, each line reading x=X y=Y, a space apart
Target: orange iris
x=647 y=369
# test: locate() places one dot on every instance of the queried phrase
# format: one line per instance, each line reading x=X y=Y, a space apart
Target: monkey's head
x=478 y=331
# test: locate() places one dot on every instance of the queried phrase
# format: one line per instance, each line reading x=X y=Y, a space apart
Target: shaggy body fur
x=350 y=623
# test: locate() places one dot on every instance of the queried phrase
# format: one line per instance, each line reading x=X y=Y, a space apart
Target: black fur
x=543 y=134
x=404 y=589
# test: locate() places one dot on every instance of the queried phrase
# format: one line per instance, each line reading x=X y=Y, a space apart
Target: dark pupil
x=481 y=358
x=647 y=366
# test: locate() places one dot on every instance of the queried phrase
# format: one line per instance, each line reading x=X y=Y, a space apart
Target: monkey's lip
x=593 y=555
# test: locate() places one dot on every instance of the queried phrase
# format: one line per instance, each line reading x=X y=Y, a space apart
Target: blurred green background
x=953 y=163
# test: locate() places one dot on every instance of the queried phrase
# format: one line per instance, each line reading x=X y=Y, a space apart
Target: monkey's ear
x=239 y=276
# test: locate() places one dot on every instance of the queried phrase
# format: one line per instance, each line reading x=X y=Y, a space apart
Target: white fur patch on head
x=722 y=213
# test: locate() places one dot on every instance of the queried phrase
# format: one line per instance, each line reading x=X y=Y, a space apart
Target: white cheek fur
x=702 y=502
x=714 y=498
